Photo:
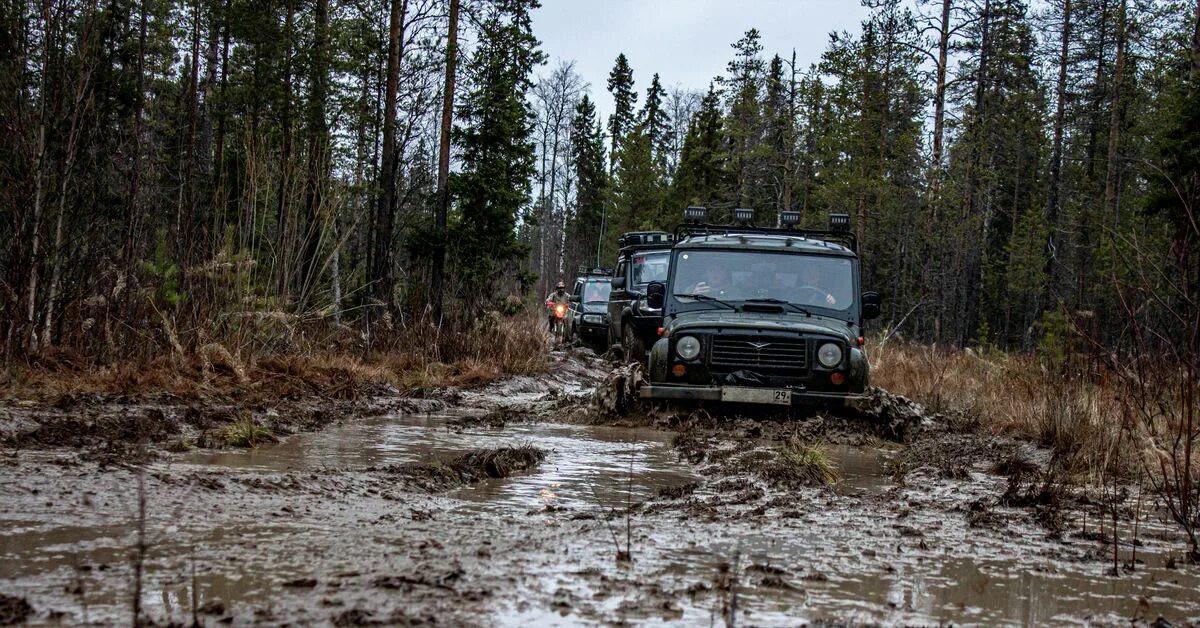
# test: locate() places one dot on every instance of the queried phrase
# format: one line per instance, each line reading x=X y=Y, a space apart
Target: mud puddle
x=309 y=531
x=585 y=466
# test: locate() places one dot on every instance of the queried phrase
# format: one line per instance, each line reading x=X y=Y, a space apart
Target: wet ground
x=616 y=524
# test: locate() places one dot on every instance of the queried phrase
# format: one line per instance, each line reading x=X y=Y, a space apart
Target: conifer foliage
x=1006 y=164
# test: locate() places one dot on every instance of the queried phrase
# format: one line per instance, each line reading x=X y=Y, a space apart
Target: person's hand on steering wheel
x=820 y=295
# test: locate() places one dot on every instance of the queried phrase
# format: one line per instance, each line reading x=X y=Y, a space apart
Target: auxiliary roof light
x=743 y=215
x=789 y=217
x=694 y=214
x=839 y=222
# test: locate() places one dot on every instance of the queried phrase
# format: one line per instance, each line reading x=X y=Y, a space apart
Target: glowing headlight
x=687 y=347
x=594 y=319
x=829 y=355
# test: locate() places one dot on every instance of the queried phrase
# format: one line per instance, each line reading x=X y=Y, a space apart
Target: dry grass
x=1076 y=414
x=244 y=432
x=413 y=358
x=473 y=466
x=810 y=462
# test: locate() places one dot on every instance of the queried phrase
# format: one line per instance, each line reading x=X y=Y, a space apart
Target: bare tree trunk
x=381 y=277
x=1114 y=134
x=39 y=188
x=318 y=150
x=977 y=260
x=1056 y=156
x=188 y=151
x=133 y=209
x=443 y=190
x=64 y=186
x=939 y=112
x=283 y=245
x=219 y=141
x=789 y=157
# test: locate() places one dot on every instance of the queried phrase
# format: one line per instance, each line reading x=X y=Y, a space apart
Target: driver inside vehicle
x=811 y=289
x=714 y=282
x=595 y=292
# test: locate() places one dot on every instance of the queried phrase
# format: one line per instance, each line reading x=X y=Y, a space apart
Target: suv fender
x=659 y=360
x=859 y=368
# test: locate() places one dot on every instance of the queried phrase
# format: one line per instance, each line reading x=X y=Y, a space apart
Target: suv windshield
x=649 y=267
x=806 y=280
x=596 y=291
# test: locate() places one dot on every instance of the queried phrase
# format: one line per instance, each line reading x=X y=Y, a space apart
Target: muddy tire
x=635 y=349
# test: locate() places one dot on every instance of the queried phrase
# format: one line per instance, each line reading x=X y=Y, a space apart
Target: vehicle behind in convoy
x=587 y=319
x=644 y=257
x=761 y=315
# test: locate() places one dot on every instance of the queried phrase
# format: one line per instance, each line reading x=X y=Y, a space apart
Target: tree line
x=180 y=169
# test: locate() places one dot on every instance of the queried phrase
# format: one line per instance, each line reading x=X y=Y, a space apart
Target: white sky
x=686 y=41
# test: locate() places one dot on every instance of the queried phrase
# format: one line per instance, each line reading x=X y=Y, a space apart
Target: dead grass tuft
x=1075 y=414
x=244 y=432
x=807 y=463
x=471 y=467
x=419 y=357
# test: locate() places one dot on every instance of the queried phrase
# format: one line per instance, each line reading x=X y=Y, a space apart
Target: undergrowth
x=1074 y=412
x=343 y=365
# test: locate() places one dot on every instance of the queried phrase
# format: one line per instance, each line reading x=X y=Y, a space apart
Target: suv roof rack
x=836 y=237
x=645 y=238
x=590 y=271
x=838 y=232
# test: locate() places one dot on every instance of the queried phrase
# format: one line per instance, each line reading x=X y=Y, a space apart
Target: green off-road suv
x=761 y=315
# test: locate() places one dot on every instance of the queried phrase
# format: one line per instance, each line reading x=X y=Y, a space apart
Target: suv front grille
x=759 y=352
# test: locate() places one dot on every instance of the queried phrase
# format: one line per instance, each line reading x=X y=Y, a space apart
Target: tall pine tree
x=495 y=144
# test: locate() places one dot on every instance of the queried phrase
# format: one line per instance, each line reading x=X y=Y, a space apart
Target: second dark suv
x=645 y=256
x=587 y=319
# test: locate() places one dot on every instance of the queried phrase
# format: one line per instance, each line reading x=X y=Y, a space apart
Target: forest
x=176 y=171
x=273 y=344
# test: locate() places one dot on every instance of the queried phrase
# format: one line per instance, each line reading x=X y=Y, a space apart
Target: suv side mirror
x=618 y=283
x=870 y=305
x=574 y=298
x=656 y=292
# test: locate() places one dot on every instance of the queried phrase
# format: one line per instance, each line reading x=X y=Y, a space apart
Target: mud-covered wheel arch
x=635 y=349
x=617 y=393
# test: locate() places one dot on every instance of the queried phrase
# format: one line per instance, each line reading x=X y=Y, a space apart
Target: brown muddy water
x=312 y=531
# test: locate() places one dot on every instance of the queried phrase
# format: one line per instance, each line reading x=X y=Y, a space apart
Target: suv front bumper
x=684 y=392
x=592 y=331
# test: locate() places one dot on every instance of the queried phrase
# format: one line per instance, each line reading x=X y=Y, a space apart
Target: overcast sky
x=686 y=41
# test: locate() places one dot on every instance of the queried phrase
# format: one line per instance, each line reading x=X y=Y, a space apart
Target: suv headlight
x=594 y=319
x=829 y=355
x=688 y=347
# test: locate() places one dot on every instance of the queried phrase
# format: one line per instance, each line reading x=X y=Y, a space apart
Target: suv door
x=618 y=300
x=574 y=307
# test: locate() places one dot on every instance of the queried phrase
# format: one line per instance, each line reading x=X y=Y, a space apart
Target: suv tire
x=635 y=349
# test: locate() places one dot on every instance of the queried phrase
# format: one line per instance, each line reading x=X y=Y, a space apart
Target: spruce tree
x=620 y=85
x=702 y=177
x=656 y=122
x=743 y=126
x=495 y=144
x=591 y=176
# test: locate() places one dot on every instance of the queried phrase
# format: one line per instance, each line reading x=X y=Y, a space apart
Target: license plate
x=776 y=396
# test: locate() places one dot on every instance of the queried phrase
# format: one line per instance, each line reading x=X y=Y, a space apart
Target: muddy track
x=519 y=502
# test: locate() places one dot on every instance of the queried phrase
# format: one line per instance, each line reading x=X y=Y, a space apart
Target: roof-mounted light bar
x=743 y=215
x=789 y=218
x=839 y=222
x=694 y=214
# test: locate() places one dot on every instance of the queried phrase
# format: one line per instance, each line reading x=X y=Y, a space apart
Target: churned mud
x=527 y=501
